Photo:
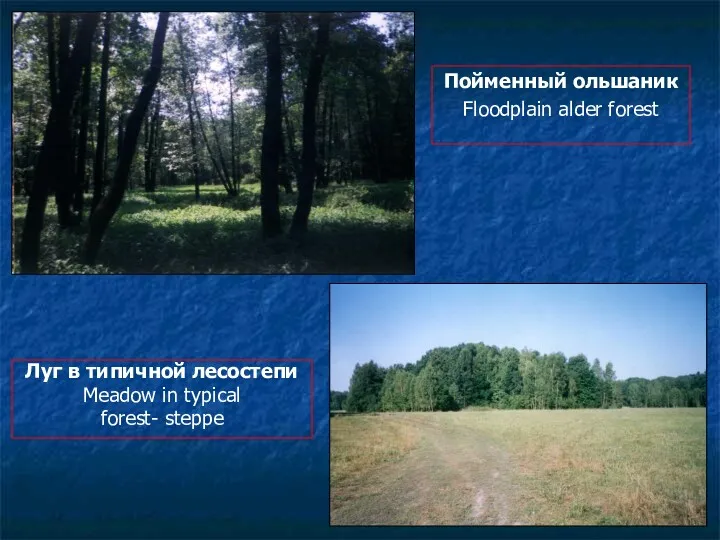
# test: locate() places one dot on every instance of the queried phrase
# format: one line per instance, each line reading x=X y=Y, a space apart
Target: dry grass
x=629 y=466
x=359 y=443
x=580 y=467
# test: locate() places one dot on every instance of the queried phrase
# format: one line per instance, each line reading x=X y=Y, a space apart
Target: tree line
x=452 y=378
x=102 y=105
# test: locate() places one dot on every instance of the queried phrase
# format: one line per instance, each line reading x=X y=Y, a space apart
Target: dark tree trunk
x=378 y=138
x=218 y=170
x=272 y=130
x=158 y=142
x=307 y=178
x=100 y=149
x=321 y=178
x=80 y=186
x=91 y=154
x=216 y=136
x=373 y=135
x=51 y=158
x=64 y=184
x=105 y=211
x=188 y=90
x=63 y=46
x=350 y=156
x=107 y=153
x=331 y=134
x=29 y=145
x=74 y=136
x=284 y=178
x=195 y=158
x=150 y=183
x=121 y=125
x=52 y=60
x=147 y=130
x=235 y=179
x=294 y=159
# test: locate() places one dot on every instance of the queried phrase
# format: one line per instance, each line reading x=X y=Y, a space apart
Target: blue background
x=492 y=214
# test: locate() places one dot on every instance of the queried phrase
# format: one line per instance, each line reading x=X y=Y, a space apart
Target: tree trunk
x=295 y=161
x=105 y=211
x=285 y=167
x=63 y=46
x=107 y=153
x=72 y=156
x=50 y=159
x=272 y=130
x=321 y=178
x=52 y=60
x=91 y=154
x=188 y=91
x=195 y=158
x=331 y=134
x=189 y=88
x=80 y=186
x=307 y=178
x=348 y=119
x=213 y=160
x=158 y=142
x=372 y=134
x=29 y=145
x=100 y=149
x=379 y=141
x=148 y=151
x=216 y=136
x=150 y=158
x=234 y=171
x=64 y=184
x=121 y=124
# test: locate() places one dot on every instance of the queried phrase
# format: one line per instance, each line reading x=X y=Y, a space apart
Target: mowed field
x=566 y=467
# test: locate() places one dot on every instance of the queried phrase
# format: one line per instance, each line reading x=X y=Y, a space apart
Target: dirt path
x=454 y=477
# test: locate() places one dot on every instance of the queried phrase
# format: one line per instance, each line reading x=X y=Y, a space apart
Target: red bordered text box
x=433 y=142
x=309 y=436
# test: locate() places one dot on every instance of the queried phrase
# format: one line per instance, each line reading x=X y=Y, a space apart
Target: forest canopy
x=452 y=378
x=213 y=142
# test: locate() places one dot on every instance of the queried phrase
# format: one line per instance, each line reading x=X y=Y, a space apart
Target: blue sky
x=644 y=330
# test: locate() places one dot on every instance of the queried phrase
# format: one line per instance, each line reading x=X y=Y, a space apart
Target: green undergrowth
x=356 y=229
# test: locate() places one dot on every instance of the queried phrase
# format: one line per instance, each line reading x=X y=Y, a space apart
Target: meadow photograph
x=518 y=405
x=213 y=143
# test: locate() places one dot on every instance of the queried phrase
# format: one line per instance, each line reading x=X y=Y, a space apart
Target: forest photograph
x=213 y=143
x=518 y=404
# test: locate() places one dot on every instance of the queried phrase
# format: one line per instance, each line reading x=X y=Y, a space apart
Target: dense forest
x=452 y=378
x=213 y=142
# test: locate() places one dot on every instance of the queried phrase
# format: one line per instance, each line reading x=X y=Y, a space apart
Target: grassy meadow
x=356 y=229
x=520 y=467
